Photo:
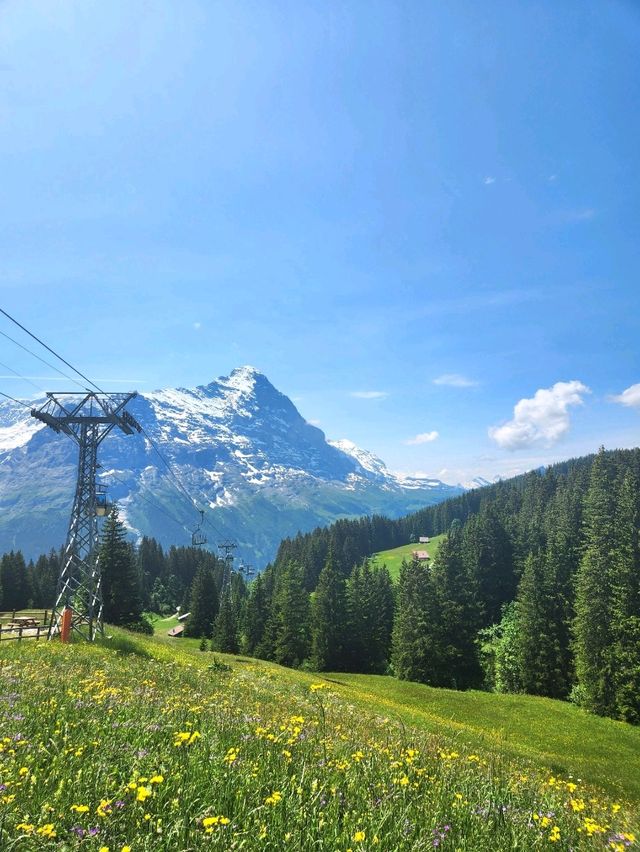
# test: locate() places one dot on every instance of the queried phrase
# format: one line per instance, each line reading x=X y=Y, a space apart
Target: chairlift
x=198 y=538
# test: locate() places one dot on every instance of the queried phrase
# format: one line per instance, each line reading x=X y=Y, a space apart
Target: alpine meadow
x=319 y=449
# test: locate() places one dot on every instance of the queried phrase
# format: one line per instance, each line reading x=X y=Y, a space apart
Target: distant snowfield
x=19 y=434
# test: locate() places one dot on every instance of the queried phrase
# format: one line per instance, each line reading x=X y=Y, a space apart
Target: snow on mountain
x=239 y=447
x=479 y=482
x=367 y=461
x=15 y=429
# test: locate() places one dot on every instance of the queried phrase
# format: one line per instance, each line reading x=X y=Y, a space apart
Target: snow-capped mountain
x=237 y=446
x=480 y=482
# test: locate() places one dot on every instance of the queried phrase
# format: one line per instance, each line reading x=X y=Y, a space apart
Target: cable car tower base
x=87 y=419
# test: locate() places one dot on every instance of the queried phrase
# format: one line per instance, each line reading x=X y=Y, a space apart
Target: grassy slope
x=393 y=558
x=553 y=735
x=104 y=736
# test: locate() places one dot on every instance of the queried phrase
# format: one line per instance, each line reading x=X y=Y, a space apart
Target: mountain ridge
x=236 y=444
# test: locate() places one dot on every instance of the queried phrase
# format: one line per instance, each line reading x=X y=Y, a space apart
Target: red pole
x=65 y=625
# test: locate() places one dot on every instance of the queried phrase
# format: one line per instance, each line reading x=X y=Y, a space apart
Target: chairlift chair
x=197 y=537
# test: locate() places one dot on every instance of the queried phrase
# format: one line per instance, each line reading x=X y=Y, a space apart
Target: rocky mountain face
x=238 y=447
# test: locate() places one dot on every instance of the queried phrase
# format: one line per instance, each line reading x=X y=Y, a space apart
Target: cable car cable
x=13 y=399
x=49 y=349
x=87 y=379
x=152 y=503
x=24 y=378
x=26 y=349
x=179 y=484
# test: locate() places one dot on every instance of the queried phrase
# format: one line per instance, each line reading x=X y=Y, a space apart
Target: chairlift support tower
x=87 y=419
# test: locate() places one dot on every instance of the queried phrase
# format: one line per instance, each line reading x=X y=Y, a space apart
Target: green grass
x=547 y=733
x=393 y=558
x=142 y=741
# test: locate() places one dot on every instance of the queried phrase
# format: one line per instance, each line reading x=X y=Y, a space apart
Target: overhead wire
x=177 y=481
x=49 y=349
x=13 y=399
x=193 y=503
x=42 y=360
x=24 y=378
x=150 y=501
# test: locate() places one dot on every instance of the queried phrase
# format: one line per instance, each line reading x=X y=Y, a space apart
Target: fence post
x=20 y=634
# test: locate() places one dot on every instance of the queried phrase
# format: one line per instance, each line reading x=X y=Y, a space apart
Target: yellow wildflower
x=358 y=837
x=143 y=793
x=47 y=830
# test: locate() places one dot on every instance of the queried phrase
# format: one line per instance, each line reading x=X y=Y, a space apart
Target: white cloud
x=630 y=396
x=314 y=422
x=423 y=438
x=455 y=380
x=369 y=394
x=489 y=180
x=197 y=326
x=543 y=419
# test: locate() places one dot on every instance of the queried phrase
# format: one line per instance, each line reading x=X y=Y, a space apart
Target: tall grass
x=101 y=750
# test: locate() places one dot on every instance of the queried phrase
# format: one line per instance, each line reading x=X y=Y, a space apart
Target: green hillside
x=153 y=745
x=393 y=558
x=554 y=734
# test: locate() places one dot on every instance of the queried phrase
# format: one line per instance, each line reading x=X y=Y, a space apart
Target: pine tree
x=328 y=614
x=562 y=558
x=224 y=637
x=256 y=614
x=14 y=581
x=415 y=650
x=457 y=617
x=369 y=619
x=488 y=557
x=358 y=630
x=625 y=604
x=540 y=654
x=120 y=581
x=593 y=621
x=203 y=603
x=290 y=618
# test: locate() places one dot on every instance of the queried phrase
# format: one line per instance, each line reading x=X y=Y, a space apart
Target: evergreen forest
x=535 y=589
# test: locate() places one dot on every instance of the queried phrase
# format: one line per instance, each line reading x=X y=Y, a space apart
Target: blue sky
x=411 y=216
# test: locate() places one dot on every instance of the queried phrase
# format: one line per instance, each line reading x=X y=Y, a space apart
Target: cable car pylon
x=87 y=419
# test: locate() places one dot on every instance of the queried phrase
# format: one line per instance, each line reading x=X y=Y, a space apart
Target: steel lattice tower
x=87 y=419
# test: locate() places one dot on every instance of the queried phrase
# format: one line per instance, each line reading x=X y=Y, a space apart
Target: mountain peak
x=238 y=445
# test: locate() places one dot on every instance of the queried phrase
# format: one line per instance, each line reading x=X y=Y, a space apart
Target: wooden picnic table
x=24 y=621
